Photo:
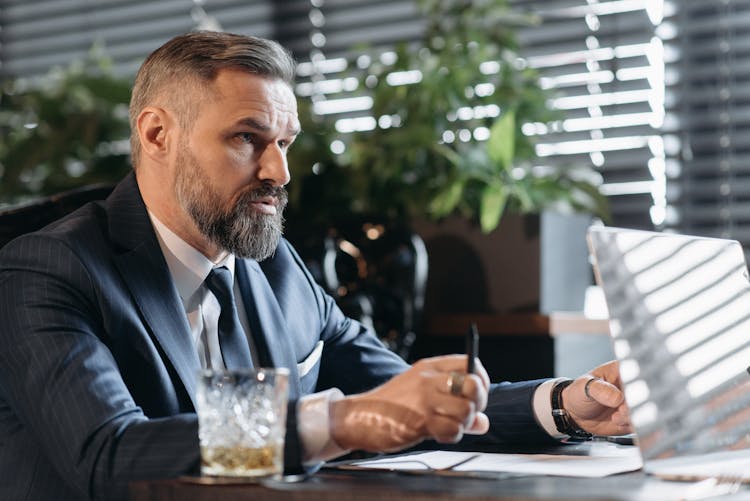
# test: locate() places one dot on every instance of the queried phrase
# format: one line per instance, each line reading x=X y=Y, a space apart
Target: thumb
x=603 y=392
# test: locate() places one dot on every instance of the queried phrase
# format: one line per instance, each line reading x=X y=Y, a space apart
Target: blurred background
x=454 y=153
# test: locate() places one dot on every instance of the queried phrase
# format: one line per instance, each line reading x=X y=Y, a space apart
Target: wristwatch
x=564 y=423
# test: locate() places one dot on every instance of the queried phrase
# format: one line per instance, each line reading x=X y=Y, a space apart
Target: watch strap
x=563 y=422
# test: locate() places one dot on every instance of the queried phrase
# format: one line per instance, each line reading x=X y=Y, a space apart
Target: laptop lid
x=679 y=310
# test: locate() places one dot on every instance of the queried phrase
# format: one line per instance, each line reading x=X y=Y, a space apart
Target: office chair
x=17 y=220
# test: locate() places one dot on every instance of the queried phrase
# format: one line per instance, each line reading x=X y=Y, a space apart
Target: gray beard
x=240 y=230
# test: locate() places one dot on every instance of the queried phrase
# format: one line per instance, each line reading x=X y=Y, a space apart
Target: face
x=232 y=168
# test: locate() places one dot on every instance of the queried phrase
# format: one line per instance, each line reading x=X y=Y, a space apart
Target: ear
x=156 y=129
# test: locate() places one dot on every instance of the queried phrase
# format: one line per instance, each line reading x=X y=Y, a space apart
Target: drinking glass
x=242 y=422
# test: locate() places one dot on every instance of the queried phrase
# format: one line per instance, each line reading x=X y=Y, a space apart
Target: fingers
x=457 y=363
x=609 y=372
x=596 y=402
x=621 y=418
x=453 y=417
x=454 y=404
x=446 y=430
x=447 y=401
x=603 y=392
x=456 y=383
x=465 y=386
x=480 y=426
x=586 y=387
x=461 y=410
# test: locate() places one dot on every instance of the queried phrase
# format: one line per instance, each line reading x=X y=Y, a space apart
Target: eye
x=246 y=137
x=285 y=144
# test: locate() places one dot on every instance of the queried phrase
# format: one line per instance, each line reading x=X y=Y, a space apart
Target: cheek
x=222 y=165
x=230 y=170
x=239 y=157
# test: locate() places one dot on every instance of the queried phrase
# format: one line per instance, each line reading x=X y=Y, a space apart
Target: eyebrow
x=251 y=122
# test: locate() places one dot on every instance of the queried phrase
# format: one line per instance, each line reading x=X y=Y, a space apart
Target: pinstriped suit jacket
x=98 y=374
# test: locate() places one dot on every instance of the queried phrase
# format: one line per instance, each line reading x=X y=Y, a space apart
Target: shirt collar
x=188 y=266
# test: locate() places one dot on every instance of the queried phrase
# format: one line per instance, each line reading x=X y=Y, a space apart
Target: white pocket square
x=304 y=367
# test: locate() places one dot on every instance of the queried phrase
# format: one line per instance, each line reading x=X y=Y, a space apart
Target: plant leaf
x=502 y=140
x=447 y=200
x=448 y=153
x=523 y=191
x=494 y=197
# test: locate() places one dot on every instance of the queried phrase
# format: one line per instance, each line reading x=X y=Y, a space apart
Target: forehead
x=238 y=94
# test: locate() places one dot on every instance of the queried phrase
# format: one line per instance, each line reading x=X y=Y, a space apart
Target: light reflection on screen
x=680 y=320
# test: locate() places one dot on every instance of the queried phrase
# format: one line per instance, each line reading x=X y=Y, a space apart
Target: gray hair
x=193 y=60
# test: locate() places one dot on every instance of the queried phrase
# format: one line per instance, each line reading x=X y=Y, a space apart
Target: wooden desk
x=489 y=324
x=366 y=486
x=568 y=322
x=377 y=486
x=339 y=485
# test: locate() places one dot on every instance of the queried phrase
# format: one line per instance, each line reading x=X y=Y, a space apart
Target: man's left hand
x=596 y=403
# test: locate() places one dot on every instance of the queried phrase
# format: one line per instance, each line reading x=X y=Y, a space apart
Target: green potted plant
x=451 y=140
x=68 y=129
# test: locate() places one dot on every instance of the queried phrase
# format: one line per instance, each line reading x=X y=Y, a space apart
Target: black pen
x=472 y=347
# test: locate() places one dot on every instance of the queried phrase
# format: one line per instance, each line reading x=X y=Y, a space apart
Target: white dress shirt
x=189 y=269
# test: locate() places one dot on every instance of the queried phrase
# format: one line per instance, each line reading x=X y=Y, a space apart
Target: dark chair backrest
x=17 y=220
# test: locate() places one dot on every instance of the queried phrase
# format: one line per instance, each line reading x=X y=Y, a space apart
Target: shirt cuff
x=543 y=408
x=313 y=426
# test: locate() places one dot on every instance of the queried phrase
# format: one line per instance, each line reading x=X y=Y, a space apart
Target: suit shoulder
x=287 y=252
x=80 y=229
x=286 y=263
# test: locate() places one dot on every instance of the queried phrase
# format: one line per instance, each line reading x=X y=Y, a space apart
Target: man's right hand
x=414 y=406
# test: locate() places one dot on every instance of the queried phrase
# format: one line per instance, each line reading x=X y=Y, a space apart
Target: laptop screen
x=679 y=310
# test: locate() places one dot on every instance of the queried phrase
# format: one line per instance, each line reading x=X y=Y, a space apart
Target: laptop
x=679 y=309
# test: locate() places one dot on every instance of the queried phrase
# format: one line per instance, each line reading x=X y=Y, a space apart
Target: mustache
x=267 y=190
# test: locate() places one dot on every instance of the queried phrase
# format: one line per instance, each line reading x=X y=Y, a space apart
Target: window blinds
x=40 y=34
x=710 y=186
x=604 y=61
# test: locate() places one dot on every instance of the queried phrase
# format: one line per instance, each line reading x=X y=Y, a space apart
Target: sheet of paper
x=616 y=460
x=717 y=464
x=433 y=460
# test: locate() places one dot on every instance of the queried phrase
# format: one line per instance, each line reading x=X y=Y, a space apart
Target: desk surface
x=340 y=485
x=389 y=486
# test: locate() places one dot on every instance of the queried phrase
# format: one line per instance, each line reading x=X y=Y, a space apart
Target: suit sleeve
x=63 y=385
x=355 y=360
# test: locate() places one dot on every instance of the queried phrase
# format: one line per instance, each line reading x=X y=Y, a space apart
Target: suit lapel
x=266 y=320
x=145 y=272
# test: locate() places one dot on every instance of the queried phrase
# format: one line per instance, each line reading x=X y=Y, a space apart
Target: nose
x=273 y=166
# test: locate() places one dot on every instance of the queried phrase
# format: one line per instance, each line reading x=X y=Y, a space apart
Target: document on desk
x=598 y=464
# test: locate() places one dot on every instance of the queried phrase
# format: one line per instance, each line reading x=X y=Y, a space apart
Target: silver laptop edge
x=679 y=311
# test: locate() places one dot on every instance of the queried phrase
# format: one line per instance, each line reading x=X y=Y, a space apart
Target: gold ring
x=586 y=387
x=456 y=383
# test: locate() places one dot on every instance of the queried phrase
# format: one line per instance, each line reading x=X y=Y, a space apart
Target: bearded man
x=109 y=314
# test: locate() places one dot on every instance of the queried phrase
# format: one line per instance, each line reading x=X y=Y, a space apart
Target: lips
x=266 y=205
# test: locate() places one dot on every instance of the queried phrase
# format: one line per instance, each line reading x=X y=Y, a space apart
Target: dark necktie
x=232 y=339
